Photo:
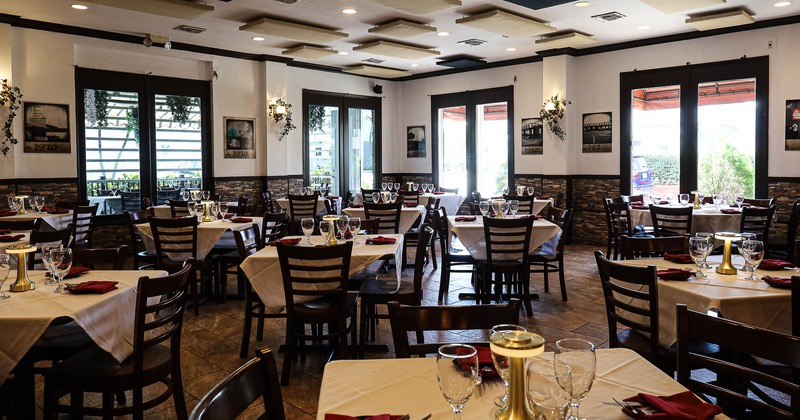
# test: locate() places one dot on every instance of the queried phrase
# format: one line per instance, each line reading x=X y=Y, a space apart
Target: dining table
x=449 y=201
x=469 y=230
x=107 y=204
x=410 y=216
x=321 y=209
x=53 y=220
x=708 y=218
x=26 y=235
x=409 y=386
x=209 y=235
x=263 y=268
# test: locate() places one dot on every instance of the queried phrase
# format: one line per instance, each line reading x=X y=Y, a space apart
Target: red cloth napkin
x=48 y=208
x=544 y=197
x=484 y=360
x=74 y=271
x=228 y=215
x=331 y=416
x=466 y=218
x=381 y=240
x=356 y=206
x=730 y=211
x=663 y=202
x=535 y=217
x=4 y=213
x=241 y=220
x=779 y=282
x=681 y=406
x=411 y=205
x=679 y=258
x=5 y=231
x=58 y=211
x=770 y=264
x=639 y=206
x=674 y=274
x=98 y=287
x=438 y=192
x=636 y=203
x=335 y=197
x=287 y=241
x=11 y=238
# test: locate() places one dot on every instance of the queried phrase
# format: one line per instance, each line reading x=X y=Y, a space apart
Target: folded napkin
x=98 y=287
x=241 y=220
x=335 y=197
x=74 y=271
x=663 y=202
x=779 y=282
x=438 y=192
x=741 y=205
x=381 y=240
x=639 y=206
x=287 y=241
x=4 y=213
x=411 y=205
x=636 y=203
x=466 y=218
x=5 y=231
x=730 y=211
x=770 y=264
x=57 y=211
x=331 y=416
x=544 y=197
x=356 y=206
x=679 y=258
x=484 y=361
x=528 y=216
x=48 y=208
x=674 y=274
x=11 y=238
x=229 y=215
x=681 y=406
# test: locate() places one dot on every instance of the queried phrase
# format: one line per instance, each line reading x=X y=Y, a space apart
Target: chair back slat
x=525 y=202
x=409 y=197
x=179 y=208
x=757 y=220
x=388 y=213
x=644 y=247
x=507 y=239
x=39 y=238
x=175 y=240
x=302 y=276
x=95 y=258
x=671 y=221
x=303 y=206
x=82 y=218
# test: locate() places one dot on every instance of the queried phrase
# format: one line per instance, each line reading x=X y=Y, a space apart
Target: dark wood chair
x=418 y=319
x=741 y=342
x=389 y=215
x=453 y=261
x=370 y=226
x=411 y=238
x=255 y=380
x=783 y=246
x=332 y=205
x=525 y=203
x=179 y=208
x=133 y=201
x=273 y=226
x=550 y=258
x=40 y=238
x=636 y=247
x=631 y=198
x=618 y=222
x=96 y=371
x=142 y=258
x=561 y=201
x=409 y=197
x=366 y=195
x=301 y=207
x=269 y=205
x=758 y=221
x=146 y=203
x=317 y=276
x=448 y=190
x=19 y=225
x=82 y=226
x=100 y=258
x=70 y=204
x=671 y=221
x=506 y=270
x=759 y=202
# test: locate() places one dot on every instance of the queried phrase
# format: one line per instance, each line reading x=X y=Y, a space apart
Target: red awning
x=491 y=112
x=714 y=93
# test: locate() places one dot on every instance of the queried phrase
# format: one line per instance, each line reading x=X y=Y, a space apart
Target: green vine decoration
x=552 y=112
x=9 y=96
x=316 y=115
x=101 y=107
x=132 y=121
x=287 y=117
x=180 y=108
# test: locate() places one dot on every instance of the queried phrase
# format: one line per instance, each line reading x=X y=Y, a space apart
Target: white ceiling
x=223 y=25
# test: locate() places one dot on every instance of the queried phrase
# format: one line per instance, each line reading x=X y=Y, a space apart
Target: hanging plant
x=96 y=107
x=180 y=108
x=279 y=110
x=316 y=116
x=132 y=121
x=552 y=112
x=9 y=95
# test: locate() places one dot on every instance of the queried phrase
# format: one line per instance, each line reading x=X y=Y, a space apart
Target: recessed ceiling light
x=644 y=27
x=782 y=3
x=258 y=38
x=79 y=6
x=443 y=33
x=343 y=53
x=349 y=11
x=510 y=49
x=414 y=65
x=582 y=4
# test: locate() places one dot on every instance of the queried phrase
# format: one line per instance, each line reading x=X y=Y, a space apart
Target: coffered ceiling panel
x=180 y=9
x=376 y=71
x=568 y=40
x=507 y=24
x=291 y=30
x=401 y=29
x=720 y=20
x=397 y=50
x=675 y=6
x=310 y=52
x=419 y=7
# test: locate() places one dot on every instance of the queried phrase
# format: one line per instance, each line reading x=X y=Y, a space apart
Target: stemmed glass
x=739 y=200
x=11 y=199
x=753 y=252
x=501 y=363
x=185 y=195
x=700 y=198
x=580 y=356
x=393 y=197
x=656 y=199
x=698 y=248
x=530 y=190
x=15 y=204
x=307 y=225
x=342 y=224
x=484 y=207
x=206 y=195
x=62 y=262
x=376 y=197
x=457 y=373
x=716 y=199
x=192 y=207
x=32 y=203
x=549 y=385
x=326 y=228
x=384 y=186
x=354 y=224
x=709 y=237
x=214 y=209
x=5 y=267
x=47 y=261
x=415 y=187
x=397 y=186
x=513 y=207
x=505 y=190
x=683 y=199
x=223 y=209
x=39 y=203
x=113 y=191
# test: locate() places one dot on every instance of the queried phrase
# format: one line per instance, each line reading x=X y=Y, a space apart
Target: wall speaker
x=378 y=89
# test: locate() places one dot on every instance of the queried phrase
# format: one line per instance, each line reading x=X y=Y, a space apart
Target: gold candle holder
x=516 y=346
x=726 y=267
x=22 y=199
x=207 y=211
x=696 y=199
x=332 y=219
x=23 y=283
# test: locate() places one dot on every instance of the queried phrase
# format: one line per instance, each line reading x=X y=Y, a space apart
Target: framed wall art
x=597 y=132
x=239 y=138
x=415 y=141
x=793 y=124
x=532 y=136
x=46 y=128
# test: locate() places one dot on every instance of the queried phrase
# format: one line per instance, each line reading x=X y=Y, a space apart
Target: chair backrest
x=631 y=297
x=563 y=219
x=631 y=198
x=269 y=205
x=175 y=239
x=636 y=247
x=179 y=208
x=302 y=206
x=273 y=226
x=248 y=241
x=425 y=236
x=256 y=379
x=405 y=319
x=448 y=190
x=757 y=220
x=507 y=239
x=740 y=341
x=440 y=224
x=100 y=258
x=791 y=234
x=40 y=238
x=476 y=196
x=331 y=205
x=131 y=200
x=242 y=201
x=371 y=226
x=796 y=305
x=146 y=203
x=760 y=202
x=409 y=197
x=82 y=218
x=389 y=215
x=348 y=198
x=525 y=202
x=560 y=202
x=366 y=195
x=32 y=224
x=70 y=204
x=315 y=273
x=162 y=196
x=619 y=216
x=671 y=221
x=137 y=217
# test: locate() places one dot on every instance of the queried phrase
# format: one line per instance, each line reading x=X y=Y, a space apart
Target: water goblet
x=384 y=186
x=709 y=237
x=580 y=356
x=342 y=223
x=697 y=250
x=530 y=190
x=5 y=267
x=214 y=209
x=753 y=254
x=397 y=186
x=185 y=195
x=326 y=228
x=376 y=197
x=206 y=195
x=15 y=204
x=62 y=262
x=700 y=198
x=11 y=199
x=656 y=199
x=39 y=203
x=484 y=207
x=192 y=207
x=414 y=187
x=683 y=199
x=505 y=190
x=501 y=363
x=47 y=261
x=513 y=207
x=548 y=388
x=393 y=197
x=113 y=191
x=307 y=225
x=223 y=209
x=717 y=200
x=457 y=374
x=32 y=202
x=739 y=200
x=354 y=224
x=425 y=188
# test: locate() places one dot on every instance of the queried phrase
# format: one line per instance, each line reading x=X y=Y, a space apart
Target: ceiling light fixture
x=414 y=65
x=582 y=4
x=511 y=49
x=782 y=3
x=349 y=11
x=82 y=7
x=343 y=53
x=443 y=33
x=258 y=38
x=644 y=27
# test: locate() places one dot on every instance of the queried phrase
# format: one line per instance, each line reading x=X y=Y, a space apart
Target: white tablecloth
x=706 y=219
x=321 y=210
x=471 y=235
x=400 y=386
x=451 y=202
x=107 y=204
x=264 y=270
x=107 y=318
x=51 y=221
x=21 y=241
x=209 y=234
x=408 y=215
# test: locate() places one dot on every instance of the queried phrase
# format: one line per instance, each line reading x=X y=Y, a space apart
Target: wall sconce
x=279 y=110
x=549 y=105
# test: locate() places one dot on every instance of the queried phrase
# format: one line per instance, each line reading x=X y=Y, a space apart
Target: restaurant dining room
x=399 y=209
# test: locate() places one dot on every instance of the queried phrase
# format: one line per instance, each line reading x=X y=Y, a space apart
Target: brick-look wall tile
x=232 y=189
x=589 y=219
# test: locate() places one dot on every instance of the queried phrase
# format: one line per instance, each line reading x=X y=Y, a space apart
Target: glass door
x=656 y=141
x=179 y=145
x=453 y=148
x=361 y=130
x=491 y=144
x=323 y=149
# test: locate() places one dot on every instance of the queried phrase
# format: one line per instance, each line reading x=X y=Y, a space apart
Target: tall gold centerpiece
x=332 y=219
x=22 y=199
x=207 y=211
x=696 y=199
x=726 y=267
x=517 y=346
x=23 y=283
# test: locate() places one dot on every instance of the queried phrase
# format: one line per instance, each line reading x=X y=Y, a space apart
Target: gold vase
x=23 y=283
x=726 y=267
x=516 y=346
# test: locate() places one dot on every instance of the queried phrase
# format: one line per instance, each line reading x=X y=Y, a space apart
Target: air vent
x=373 y=61
x=191 y=29
x=609 y=17
x=472 y=42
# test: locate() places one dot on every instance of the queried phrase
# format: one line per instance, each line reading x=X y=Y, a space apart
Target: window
x=695 y=128
x=141 y=136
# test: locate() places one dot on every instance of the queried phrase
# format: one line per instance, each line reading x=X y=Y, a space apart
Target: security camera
x=148 y=42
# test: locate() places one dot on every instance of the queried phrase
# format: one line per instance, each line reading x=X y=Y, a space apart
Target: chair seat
x=323 y=306
x=383 y=289
x=641 y=344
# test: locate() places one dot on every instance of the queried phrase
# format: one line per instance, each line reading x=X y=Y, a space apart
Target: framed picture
x=597 y=132
x=793 y=124
x=532 y=136
x=240 y=138
x=46 y=128
x=415 y=141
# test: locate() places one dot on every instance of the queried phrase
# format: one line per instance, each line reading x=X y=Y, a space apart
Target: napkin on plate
x=241 y=220
x=4 y=213
x=679 y=258
x=771 y=264
x=98 y=287
x=681 y=406
x=356 y=206
x=674 y=274
x=779 y=282
x=11 y=238
x=466 y=218
x=730 y=211
x=57 y=211
x=411 y=205
x=287 y=241
x=639 y=206
x=5 y=231
x=331 y=416
x=380 y=240
x=484 y=361
x=438 y=192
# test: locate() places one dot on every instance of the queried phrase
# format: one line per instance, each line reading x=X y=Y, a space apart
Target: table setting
x=55 y=219
x=469 y=230
x=409 y=214
x=450 y=201
x=721 y=215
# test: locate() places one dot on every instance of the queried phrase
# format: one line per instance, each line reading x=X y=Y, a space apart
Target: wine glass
x=697 y=250
x=739 y=200
x=656 y=199
x=185 y=195
x=753 y=254
x=513 y=207
x=393 y=197
x=549 y=382
x=214 y=209
x=192 y=207
x=709 y=237
x=32 y=202
x=62 y=262
x=113 y=191
x=47 y=261
x=530 y=190
x=5 y=267
x=307 y=225
x=424 y=188
x=223 y=209
x=457 y=373
x=384 y=186
x=501 y=363
x=397 y=186
x=415 y=187
x=326 y=228
x=700 y=198
x=341 y=225
x=206 y=195
x=376 y=197
x=484 y=207
x=15 y=204
x=716 y=199
x=354 y=224
x=11 y=199
x=683 y=199
x=580 y=356
x=505 y=190
x=39 y=203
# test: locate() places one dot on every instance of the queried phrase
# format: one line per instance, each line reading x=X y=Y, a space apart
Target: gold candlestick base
x=207 y=211
x=726 y=267
x=22 y=204
x=23 y=283
x=516 y=346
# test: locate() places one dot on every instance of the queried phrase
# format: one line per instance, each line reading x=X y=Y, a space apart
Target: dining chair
x=453 y=261
x=618 y=223
x=167 y=195
x=315 y=291
x=256 y=380
x=406 y=319
x=671 y=221
x=411 y=238
x=757 y=220
x=366 y=195
x=269 y=205
x=409 y=197
x=506 y=270
x=741 y=342
x=525 y=203
x=448 y=190
x=300 y=207
x=133 y=201
x=146 y=203
x=631 y=198
x=40 y=238
x=388 y=214
x=560 y=200
x=82 y=226
x=15 y=225
x=759 y=202
x=783 y=246
x=70 y=204
x=179 y=208
x=160 y=304
x=142 y=258
x=274 y=226
x=332 y=205
x=641 y=247
x=551 y=258
x=100 y=258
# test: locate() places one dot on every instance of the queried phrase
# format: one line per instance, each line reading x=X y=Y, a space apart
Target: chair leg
x=546 y=278
x=177 y=392
x=108 y=404
x=193 y=291
x=290 y=351
x=362 y=333
x=433 y=255
x=260 y=324
x=562 y=281
x=444 y=281
x=526 y=292
x=248 y=324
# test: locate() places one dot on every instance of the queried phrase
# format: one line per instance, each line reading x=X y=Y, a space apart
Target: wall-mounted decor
x=415 y=141
x=793 y=124
x=597 y=132
x=552 y=112
x=46 y=128
x=532 y=136
x=279 y=110
x=240 y=138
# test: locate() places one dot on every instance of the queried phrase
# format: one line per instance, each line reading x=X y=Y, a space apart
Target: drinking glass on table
x=397 y=186
x=384 y=186
x=354 y=224
x=39 y=203
x=739 y=200
x=709 y=237
x=185 y=195
x=376 y=197
x=32 y=203
x=513 y=207
x=206 y=195
x=505 y=190
x=717 y=200
x=326 y=228
x=753 y=252
x=342 y=223
x=484 y=207
x=501 y=363
x=223 y=209
x=656 y=199
x=393 y=197
x=548 y=389
x=457 y=373
x=307 y=225
x=683 y=199
x=415 y=187
x=47 y=261
x=529 y=190
x=697 y=250
x=5 y=267
x=214 y=209
x=62 y=263
x=580 y=356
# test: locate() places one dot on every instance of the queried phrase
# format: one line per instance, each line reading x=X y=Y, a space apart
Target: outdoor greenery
x=180 y=106
x=316 y=115
x=666 y=169
x=9 y=96
x=132 y=121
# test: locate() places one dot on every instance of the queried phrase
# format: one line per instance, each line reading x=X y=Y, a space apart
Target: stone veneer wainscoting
x=589 y=217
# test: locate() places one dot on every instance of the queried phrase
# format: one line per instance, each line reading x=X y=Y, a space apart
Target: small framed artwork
x=239 y=138
x=415 y=141
x=46 y=128
x=597 y=132
x=793 y=124
x=532 y=136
